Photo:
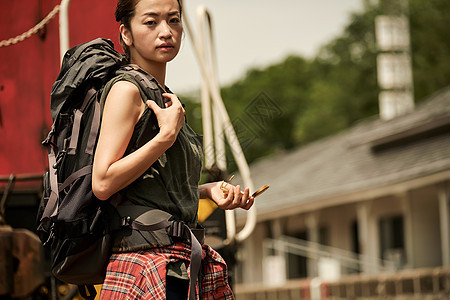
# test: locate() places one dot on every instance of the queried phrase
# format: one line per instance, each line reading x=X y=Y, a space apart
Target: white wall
x=339 y=220
x=250 y=257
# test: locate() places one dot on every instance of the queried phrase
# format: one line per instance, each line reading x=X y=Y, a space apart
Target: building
x=371 y=200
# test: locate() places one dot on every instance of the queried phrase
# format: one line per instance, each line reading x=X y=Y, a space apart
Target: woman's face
x=156 y=31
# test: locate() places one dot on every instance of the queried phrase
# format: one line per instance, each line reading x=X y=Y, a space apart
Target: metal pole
x=64 y=28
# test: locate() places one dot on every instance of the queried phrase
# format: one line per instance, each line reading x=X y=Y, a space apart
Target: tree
x=430 y=45
x=311 y=99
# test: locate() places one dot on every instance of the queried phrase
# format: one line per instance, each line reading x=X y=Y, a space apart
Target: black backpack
x=72 y=223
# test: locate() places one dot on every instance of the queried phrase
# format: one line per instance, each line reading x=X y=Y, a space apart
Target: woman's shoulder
x=121 y=86
x=122 y=101
x=124 y=82
x=124 y=88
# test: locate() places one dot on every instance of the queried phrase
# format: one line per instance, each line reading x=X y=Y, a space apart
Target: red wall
x=28 y=70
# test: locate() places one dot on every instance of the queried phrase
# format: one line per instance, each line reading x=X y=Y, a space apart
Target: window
x=297 y=265
x=392 y=241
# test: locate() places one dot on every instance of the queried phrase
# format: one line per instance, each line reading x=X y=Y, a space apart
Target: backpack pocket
x=82 y=232
x=81 y=260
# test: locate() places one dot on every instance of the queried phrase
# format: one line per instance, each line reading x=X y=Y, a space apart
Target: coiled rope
x=32 y=31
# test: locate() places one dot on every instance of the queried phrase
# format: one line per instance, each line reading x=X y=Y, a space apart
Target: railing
x=423 y=284
x=349 y=262
x=7 y=191
x=388 y=283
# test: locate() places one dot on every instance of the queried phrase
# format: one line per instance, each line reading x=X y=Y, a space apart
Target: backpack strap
x=142 y=218
x=142 y=78
x=196 y=261
x=95 y=126
x=180 y=229
x=51 y=209
x=77 y=174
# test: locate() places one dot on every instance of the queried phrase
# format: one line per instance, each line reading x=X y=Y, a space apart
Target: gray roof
x=370 y=155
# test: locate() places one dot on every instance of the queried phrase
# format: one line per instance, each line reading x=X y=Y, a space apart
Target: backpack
x=72 y=223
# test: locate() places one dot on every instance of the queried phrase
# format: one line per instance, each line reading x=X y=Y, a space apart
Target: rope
x=212 y=86
x=32 y=31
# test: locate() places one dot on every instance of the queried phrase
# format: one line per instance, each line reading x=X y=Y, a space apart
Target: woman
x=163 y=173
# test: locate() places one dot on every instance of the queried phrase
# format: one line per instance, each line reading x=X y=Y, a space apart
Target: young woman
x=164 y=172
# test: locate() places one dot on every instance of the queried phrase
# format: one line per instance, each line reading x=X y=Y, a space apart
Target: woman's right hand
x=171 y=118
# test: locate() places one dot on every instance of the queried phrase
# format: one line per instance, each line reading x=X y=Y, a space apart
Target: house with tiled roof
x=371 y=200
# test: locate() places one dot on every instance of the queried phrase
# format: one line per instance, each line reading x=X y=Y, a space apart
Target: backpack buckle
x=126 y=221
x=59 y=159
x=177 y=229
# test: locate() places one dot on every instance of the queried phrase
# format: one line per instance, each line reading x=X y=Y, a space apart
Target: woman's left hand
x=232 y=199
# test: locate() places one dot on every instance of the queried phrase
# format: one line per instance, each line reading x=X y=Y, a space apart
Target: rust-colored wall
x=29 y=68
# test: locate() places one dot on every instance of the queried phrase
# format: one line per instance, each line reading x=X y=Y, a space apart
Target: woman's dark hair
x=124 y=13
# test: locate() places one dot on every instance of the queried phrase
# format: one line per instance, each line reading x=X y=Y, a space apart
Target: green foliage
x=297 y=101
x=430 y=44
x=193 y=112
x=266 y=105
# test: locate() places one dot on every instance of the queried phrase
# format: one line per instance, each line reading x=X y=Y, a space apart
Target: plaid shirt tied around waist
x=142 y=274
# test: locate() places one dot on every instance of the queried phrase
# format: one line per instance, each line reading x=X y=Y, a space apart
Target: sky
x=258 y=33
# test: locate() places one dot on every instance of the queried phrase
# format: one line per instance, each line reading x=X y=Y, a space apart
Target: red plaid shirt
x=142 y=275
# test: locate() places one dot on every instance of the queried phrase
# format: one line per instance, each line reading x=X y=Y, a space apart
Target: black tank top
x=171 y=183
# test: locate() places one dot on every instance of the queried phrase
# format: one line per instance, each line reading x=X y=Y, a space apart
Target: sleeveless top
x=171 y=182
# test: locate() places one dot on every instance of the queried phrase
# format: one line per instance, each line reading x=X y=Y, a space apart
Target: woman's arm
x=123 y=108
x=234 y=199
